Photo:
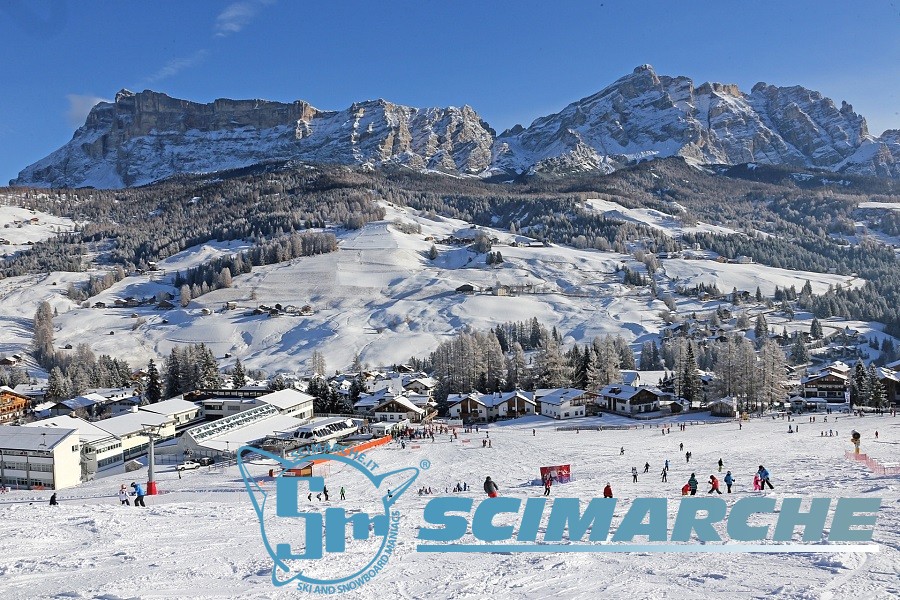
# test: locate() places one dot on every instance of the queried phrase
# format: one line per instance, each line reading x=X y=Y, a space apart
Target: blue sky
x=511 y=61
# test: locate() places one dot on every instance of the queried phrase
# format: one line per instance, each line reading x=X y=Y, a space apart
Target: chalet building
x=830 y=384
x=563 y=403
x=90 y=404
x=420 y=385
x=398 y=408
x=10 y=361
x=483 y=408
x=468 y=407
x=630 y=400
x=12 y=405
x=723 y=407
x=890 y=381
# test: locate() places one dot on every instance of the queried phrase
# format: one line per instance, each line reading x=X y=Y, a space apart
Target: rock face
x=148 y=136
x=644 y=115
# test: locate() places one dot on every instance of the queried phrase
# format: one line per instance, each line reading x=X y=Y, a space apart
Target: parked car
x=188 y=464
x=205 y=461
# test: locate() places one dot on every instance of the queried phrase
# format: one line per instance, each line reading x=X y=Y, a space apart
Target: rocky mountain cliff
x=149 y=136
x=145 y=137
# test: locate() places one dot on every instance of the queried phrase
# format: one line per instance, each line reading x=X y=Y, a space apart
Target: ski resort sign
x=309 y=547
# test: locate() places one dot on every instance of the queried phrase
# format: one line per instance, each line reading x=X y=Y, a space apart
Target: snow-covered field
x=19 y=226
x=655 y=219
x=379 y=295
x=201 y=539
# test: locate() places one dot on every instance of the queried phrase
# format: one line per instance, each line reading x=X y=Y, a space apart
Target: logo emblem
x=323 y=546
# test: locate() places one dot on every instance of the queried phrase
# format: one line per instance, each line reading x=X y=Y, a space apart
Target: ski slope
x=200 y=539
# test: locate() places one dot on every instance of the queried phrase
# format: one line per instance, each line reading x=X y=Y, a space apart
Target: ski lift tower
x=153 y=433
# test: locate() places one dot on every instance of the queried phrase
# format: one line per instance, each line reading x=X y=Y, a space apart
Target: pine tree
x=433 y=252
x=43 y=333
x=208 y=369
x=238 y=377
x=154 y=391
x=551 y=368
x=57 y=385
x=761 y=330
x=278 y=383
x=646 y=363
x=799 y=352
x=691 y=386
x=815 y=329
x=173 y=373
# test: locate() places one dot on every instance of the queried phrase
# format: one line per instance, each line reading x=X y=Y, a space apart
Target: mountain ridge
x=148 y=136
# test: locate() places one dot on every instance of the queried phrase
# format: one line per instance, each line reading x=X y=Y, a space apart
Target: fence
x=875 y=466
x=635 y=426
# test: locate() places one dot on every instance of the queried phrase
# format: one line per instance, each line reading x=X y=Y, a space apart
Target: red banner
x=559 y=473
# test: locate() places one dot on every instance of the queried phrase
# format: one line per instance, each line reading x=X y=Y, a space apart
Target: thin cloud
x=177 y=65
x=237 y=15
x=79 y=107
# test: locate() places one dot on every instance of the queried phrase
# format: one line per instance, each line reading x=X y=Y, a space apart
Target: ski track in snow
x=200 y=539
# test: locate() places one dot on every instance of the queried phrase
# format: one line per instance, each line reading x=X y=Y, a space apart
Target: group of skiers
x=760 y=480
x=138 y=493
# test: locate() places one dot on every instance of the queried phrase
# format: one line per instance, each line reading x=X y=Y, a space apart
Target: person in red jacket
x=714 y=485
x=686 y=489
x=607 y=491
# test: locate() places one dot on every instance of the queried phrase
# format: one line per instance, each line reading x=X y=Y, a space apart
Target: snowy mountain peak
x=147 y=136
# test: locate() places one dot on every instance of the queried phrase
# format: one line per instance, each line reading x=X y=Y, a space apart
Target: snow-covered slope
x=378 y=295
x=200 y=539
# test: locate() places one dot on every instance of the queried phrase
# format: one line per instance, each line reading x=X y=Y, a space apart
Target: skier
x=681 y=446
x=692 y=484
x=342 y=493
x=139 y=495
x=687 y=456
x=665 y=473
x=622 y=451
x=123 y=496
x=876 y=434
x=686 y=489
x=646 y=467
x=756 y=486
x=721 y=464
x=533 y=433
x=729 y=480
x=634 y=474
x=607 y=491
x=714 y=485
x=325 y=491
x=548 y=481
x=667 y=464
x=490 y=488
x=53 y=501
x=764 y=479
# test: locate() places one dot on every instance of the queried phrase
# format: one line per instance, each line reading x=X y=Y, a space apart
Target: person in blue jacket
x=139 y=493
x=729 y=480
x=764 y=478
